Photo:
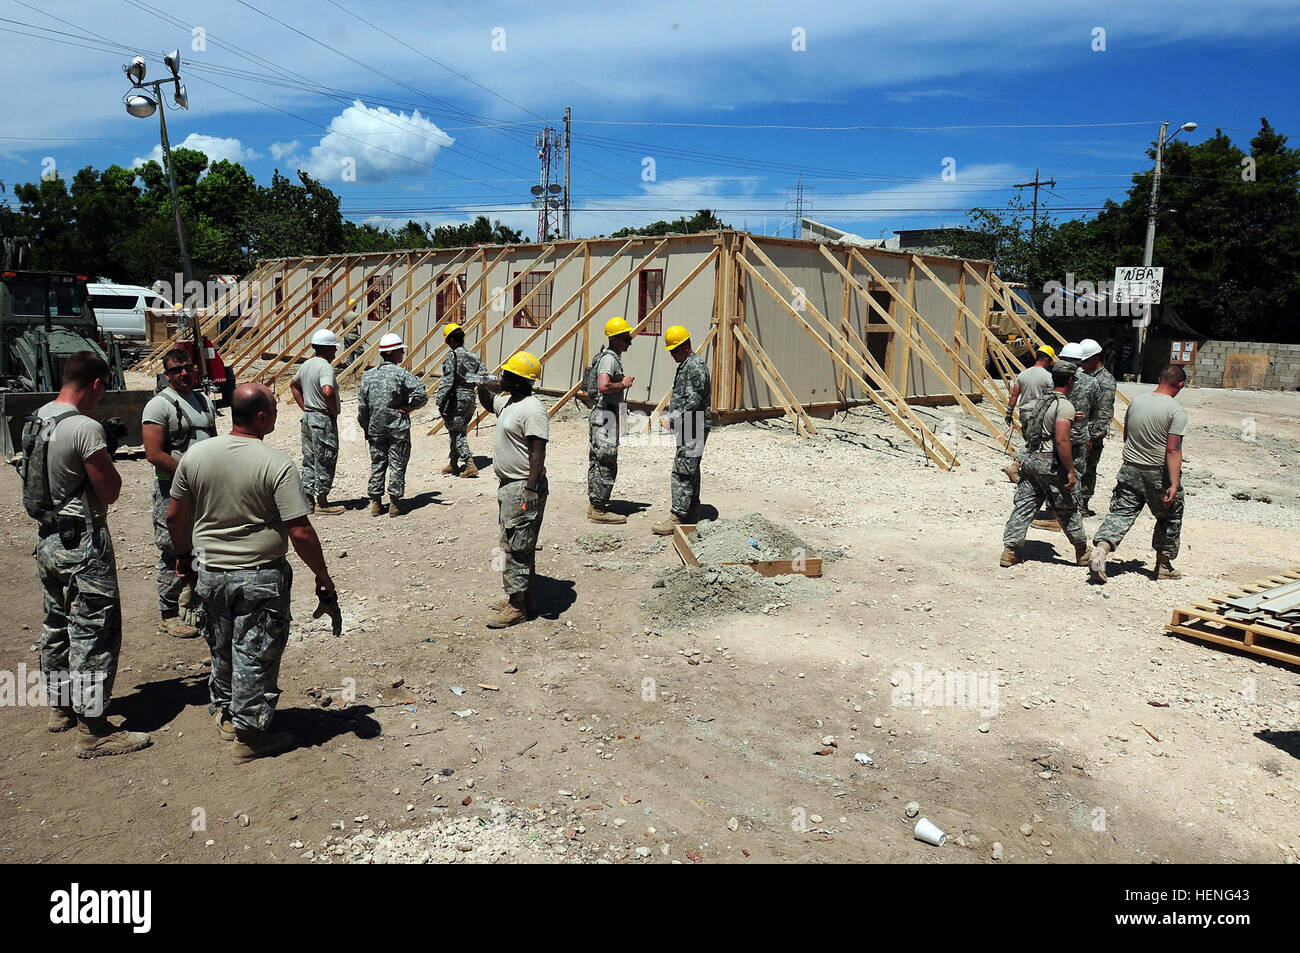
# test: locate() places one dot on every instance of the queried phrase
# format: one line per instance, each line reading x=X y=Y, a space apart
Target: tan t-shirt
x=243 y=492
x=73 y=442
x=314 y=374
x=1151 y=418
x=516 y=422
x=1033 y=382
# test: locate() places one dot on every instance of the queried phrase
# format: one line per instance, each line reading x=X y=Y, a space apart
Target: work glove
x=1009 y=417
x=328 y=604
x=189 y=603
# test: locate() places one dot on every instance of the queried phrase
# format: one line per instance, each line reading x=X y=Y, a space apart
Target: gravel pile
x=746 y=540
x=598 y=541
x=681 y=595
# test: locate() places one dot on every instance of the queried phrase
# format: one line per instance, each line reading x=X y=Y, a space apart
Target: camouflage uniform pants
x=685 y=481
x=1137 y=487
x=519 y=531
x=169 y=586
x=82 y=636
x=1088 y=479
x=602 y=455
x=388 y=456
x=320 y=452
x=1041 y=482
x=457 y=427
x=1079 y=453
x=245 y=620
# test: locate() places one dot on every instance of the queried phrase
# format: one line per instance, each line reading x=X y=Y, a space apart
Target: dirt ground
x=612 y=736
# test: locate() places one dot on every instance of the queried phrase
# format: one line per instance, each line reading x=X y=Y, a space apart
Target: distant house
x=929 y=241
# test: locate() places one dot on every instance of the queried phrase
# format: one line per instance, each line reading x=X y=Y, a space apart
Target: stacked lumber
x=1262 y=617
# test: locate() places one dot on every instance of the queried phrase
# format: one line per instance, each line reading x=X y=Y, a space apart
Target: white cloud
x=214 y=147
x=282 y=151
x=369 y=145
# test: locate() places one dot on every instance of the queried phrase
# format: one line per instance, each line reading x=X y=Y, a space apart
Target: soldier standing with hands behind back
x=689 y=417
x=389 y=393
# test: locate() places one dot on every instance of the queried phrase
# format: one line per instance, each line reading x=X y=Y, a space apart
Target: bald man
x=247 y=504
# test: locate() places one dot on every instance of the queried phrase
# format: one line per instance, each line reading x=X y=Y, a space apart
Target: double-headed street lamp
x=140 y=103
x=1150 y=246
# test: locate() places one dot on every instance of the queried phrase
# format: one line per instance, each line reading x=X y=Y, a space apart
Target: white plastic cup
x=927 y=832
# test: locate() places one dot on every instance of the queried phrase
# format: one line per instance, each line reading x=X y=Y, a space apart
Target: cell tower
x=547 y=193
x=799 y=201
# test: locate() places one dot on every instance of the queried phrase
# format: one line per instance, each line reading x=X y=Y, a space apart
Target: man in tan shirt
x=248 y=505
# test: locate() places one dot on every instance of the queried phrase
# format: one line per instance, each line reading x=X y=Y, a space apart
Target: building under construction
x=788 y=326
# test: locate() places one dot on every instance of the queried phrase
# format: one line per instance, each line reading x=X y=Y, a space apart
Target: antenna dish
x=537 y=190
x=554 y=188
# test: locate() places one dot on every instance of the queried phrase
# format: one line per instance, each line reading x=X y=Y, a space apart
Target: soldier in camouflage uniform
x=246 y=503
x=315 y=391
x=389 y=393
x=455 y=399
x=1046 y=475
x=73 y=477
x=519 y=460
x=1099 y=424
x=1084 y=397
x=173 y=420
x=690 y=419
x=607 y=387
x=1150 y=475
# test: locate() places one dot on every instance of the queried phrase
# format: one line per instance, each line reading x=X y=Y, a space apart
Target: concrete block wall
x=1283 y=363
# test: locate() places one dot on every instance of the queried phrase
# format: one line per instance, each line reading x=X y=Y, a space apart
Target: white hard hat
x=390 y=342
x=1072 y=352
x=1089 y=347
x=324 y=338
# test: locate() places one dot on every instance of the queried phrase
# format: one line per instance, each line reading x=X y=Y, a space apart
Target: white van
x=120 y=308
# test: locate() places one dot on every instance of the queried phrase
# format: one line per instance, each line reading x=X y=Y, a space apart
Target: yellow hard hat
x=523 y=364
x=617 y=326
x=1010 y=338
x=674 y=336
x=446 y=332
x=352 y=301
x=1048 y=350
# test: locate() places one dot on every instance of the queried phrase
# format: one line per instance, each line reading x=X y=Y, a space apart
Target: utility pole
x=546 y=192
x=797 y=205
x=1036 y=184
x=568 y=115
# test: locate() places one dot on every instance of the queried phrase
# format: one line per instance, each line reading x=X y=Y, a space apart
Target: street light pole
x=1148 y=249
x=186 y=266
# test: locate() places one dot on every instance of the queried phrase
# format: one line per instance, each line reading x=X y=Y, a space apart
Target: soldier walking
x=246 y=503
x=1099 y=426
x=1047 y=473
x=1085 y=396
x=316 y=394
x=175 y=419
x=689 y=418
x=389 y=393
x=455 y=400
x=607 y=385
x=519 y=459
x=69 y=481
x=1151 y=476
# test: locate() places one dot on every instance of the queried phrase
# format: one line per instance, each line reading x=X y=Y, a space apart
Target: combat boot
x=178 y=629
x=504 y=601
x=597 y=513
x=470 y=471
x=96 y=738
x=1097 y=565
x=1165 y=569
x=251 y=744
x=1050 y=523
x=449 y=469
x=1082 y=554
x=225 y=727
x=1009 y=557
x=62 y=718
x=666 y=527
x=376 y=508
x=395 y=506
x=514 y=613
x=325 y=507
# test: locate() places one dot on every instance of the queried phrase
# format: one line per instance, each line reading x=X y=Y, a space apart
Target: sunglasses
x=179 y=369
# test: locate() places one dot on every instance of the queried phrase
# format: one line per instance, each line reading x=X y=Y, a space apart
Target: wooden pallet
x=810 y=566
x=1205 y=621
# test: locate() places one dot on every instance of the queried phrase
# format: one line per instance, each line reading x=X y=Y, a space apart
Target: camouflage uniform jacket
x=1086 y=397
x=1100 y=423
x=383 y=390
x=457 y=366
x=692 y=390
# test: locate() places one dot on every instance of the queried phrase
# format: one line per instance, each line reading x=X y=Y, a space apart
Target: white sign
x=1136 y=284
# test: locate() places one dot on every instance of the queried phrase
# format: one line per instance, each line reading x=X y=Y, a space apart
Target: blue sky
x=438 y=125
